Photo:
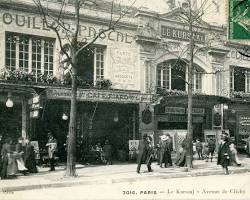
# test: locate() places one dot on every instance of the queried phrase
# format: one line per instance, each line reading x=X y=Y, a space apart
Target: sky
x=214 y=10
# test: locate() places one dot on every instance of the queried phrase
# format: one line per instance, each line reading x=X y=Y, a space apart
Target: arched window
x=172 y=75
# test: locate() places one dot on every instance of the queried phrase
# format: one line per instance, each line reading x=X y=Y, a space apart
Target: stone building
x=144 y=59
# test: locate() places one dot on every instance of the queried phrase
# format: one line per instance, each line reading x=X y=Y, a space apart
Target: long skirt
x=12 y=165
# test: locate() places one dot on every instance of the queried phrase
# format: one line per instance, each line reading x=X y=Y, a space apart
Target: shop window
x=239 y=79
x=29 y=53
x=172 y=75
x=91 y=64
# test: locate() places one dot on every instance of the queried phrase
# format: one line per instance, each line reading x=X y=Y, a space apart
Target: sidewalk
x=117 y=173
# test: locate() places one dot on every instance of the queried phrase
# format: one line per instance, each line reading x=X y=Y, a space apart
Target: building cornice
x=68 y=16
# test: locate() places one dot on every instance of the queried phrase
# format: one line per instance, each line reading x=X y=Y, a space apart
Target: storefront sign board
x=99 y=95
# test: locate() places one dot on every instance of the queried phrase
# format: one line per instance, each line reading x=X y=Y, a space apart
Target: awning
x=94 y=95
x=199 y=100
x=19 y=89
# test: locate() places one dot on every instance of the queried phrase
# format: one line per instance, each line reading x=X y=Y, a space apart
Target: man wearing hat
x=52 y=147
x=224 y=152
x=165 y=150
x=163 y=144
x=169 y=149
x=145 y=149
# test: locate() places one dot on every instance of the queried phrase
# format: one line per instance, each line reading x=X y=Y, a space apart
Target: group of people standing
x=204 y=151
x=227 y=153
x=19 y=158
x=147 y=152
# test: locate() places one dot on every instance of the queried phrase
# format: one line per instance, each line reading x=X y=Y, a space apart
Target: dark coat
x=30 y=158
x=145 y=151
x=211 y=145
x=224 y=154
x=6 y=148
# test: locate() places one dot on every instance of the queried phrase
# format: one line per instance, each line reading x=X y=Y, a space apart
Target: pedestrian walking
x=52 y=147
x=163 y=147
x=198 y=145
x=211 y=148
x=30 y=157
x=181 y=157
x=145 y=151
x=169 y=149
x=234 y=160
x=158 y=153
x=224 y=152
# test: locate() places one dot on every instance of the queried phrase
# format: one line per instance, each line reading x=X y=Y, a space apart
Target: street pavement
x=116 y=173
x=219 y=187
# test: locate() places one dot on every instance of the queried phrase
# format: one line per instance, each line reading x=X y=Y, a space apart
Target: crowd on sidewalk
x=21 y=158
x=17 y=158
x=227 y=153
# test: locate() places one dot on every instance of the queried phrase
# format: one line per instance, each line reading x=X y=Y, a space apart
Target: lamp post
x=65 y=117
x=9 y=102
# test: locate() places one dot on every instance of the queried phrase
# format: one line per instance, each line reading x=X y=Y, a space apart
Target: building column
x=24 y=118
x=146 y=120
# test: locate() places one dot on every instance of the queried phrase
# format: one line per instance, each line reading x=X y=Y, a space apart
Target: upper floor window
x=91 y=64
x=239 y=79
x=172 y=75
x=29 y=54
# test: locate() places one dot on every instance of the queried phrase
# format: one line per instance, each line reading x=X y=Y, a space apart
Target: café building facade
x=220 y=77
x=143 y=68
x=37 y=84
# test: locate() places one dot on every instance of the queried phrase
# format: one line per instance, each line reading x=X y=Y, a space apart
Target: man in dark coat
x=211 y=148
x=163 y=147
x=145 y=153
x=169 y=149
x=224 y=152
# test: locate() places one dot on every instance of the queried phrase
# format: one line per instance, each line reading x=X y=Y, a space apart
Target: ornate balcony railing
x=32 y=79
x=240 y=95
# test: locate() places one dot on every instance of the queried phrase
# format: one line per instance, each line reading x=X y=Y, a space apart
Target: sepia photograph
x=125 y=99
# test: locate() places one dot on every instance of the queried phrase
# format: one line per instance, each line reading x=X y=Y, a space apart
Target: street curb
x=119 y=180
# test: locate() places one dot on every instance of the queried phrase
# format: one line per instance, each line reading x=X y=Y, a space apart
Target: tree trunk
x=71 y=148
x=189 y=154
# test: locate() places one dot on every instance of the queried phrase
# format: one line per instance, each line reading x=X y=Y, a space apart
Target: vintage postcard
x=125 y=99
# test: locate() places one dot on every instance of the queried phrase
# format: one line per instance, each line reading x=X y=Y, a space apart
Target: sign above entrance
x=99 y=95
x=180 y=110
x=181 y=34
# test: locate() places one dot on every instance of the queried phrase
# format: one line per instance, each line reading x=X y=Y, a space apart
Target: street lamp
x=116 y=117
x=9 y=102
x=65 y=117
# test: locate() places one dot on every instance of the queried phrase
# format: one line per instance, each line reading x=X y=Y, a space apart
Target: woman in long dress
x=30 y=158
x=9 y=167
x=19 y=154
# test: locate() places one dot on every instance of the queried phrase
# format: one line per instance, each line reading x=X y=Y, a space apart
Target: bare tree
x=192 y=15
x=56 y=21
